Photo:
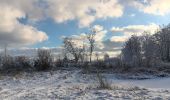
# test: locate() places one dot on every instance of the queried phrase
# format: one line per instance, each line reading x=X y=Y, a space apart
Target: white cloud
x=99 y=37
x=98 y=27
x=132 y=15
x=12 y=32
x=84 y=11
x=32 y=8
x=158 y=7
x=131 y=30
x=113 y=54
x=81 y=39
x=155 y=7
x=119 y=38
x=101 y=33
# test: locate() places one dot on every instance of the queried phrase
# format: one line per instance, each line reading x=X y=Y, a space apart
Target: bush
x=99 y=64
x=43 y=61
x=8 y=64
x=15 y=64
x=58 y=64
x=23 y=63
x=1 y=61
x=103 y=82
x=85 y=67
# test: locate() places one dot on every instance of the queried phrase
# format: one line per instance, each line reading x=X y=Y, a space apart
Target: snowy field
x=73 y=85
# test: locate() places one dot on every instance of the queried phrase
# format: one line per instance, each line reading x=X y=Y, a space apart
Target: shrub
x=85 y=67
x=1 y=61
x=99 y=64
x=103 y=82
x=58 y=64
x=11 y=64
x=43 y=61
x=23 y=63
x=8 y=64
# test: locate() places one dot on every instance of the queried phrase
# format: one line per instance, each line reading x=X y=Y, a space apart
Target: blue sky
x=41 y=23
x=130 y=17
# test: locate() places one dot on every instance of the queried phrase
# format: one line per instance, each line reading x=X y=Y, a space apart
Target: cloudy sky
x=43 y=23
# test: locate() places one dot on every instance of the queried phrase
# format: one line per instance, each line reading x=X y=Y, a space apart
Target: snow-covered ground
x=73 y=85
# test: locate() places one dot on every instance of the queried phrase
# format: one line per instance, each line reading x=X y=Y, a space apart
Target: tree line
x=144 y=51
x=147 y=50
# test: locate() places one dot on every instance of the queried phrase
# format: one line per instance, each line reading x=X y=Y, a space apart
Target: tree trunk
x=90 y=57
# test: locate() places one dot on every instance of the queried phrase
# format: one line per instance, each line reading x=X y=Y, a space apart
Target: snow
x=72 y=84
x=156 y=83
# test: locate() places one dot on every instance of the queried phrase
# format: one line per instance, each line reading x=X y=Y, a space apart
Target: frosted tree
x=131 y=52
x=149 y=49
x=163 y=40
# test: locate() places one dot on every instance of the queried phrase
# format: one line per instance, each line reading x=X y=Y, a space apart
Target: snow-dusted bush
x=8 y=63
x=59 y=63
x=103 y=82
x=100 y=64
x=1 y=59
x=85 y=67
x=23 y=63
x=15 y=64
x=43 y=61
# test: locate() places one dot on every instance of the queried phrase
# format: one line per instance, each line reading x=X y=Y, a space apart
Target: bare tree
x=91 y=39
x=71 y=48
x=97 y=57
